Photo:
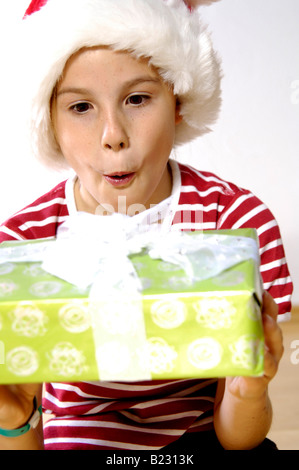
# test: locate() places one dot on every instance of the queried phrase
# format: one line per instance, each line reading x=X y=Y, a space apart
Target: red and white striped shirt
x=150 y=415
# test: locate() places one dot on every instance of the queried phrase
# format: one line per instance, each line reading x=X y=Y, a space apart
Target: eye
x=81 y=108
x=137 y=100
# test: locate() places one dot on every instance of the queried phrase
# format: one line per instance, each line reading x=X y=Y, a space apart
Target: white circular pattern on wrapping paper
x=22 y=361
x=214 y=313
x=7 y=287
x=6 y=268
x=176 y=282
x=74 y=317
x=229 y=278
x=28 y=320
x=66 y=360
x=33 y=271
x=204 y=353
x=160 y=356
x=168 y=314
x=113 y=358
x=146 y=282
x=139 y=265
x=45 y=288
x=246 y=350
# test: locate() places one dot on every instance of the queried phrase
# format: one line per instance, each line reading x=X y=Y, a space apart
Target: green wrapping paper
x=51 y=330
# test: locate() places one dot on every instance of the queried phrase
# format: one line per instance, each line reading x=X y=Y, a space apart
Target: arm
x=243 y=412
x=16 y=406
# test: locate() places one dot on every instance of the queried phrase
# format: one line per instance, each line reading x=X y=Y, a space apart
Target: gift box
x=191 y=313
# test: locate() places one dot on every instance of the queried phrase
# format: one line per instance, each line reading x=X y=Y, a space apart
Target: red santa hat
x=165 y=31
x=34 y=6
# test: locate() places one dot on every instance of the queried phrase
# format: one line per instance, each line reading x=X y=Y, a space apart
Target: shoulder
x=223 y=202
x=38 y=219
x=205 y=198
x=226 y=205
x=204 y=183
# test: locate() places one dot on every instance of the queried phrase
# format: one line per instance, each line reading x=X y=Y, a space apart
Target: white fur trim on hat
x=163 y=30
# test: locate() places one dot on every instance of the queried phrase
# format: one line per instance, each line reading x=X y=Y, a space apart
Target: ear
x=178 y=117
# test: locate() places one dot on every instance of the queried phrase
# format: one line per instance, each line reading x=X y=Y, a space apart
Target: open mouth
x=122 y=176
x=119 y=179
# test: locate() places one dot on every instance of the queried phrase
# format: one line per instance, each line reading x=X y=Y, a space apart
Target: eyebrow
x=128 y=84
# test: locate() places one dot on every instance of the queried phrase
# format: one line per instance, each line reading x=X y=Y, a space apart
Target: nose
x=114 y=134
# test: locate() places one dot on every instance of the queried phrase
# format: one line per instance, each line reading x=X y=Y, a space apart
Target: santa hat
x=165 y=31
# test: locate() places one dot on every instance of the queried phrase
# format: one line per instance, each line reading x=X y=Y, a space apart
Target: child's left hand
x=254 y=387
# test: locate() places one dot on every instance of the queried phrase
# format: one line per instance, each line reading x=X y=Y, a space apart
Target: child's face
x=114 y=119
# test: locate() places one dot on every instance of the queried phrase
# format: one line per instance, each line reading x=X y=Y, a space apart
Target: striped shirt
x=150 y=415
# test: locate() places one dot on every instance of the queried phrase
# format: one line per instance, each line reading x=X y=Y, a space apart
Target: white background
x=255 y=142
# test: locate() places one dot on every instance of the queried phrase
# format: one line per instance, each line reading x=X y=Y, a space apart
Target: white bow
x=89 y=245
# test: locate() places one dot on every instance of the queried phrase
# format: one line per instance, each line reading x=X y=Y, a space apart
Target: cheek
x=70 y=140
x=160 y=131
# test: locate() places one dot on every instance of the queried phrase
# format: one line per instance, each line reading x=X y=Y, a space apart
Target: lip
x=119 y=179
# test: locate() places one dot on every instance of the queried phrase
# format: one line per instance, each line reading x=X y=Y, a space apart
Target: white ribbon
x=89 y=245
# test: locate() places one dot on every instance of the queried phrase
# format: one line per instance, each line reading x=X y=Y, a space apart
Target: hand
x=254 y=387
x=16 y=404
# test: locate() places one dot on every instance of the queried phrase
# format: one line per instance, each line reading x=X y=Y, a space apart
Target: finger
x=270 y=366
x=269 y=306
x=273 y=338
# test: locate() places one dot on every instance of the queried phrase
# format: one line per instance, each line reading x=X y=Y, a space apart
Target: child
x=115 y=86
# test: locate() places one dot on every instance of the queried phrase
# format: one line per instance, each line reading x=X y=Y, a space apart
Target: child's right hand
x=16 y=404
